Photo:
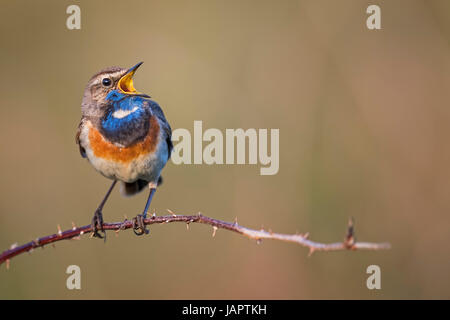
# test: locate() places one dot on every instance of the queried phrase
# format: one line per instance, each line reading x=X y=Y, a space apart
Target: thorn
x=311 y=251
x=36 y=242
x=270 y=231
x=73 y=226
x=187 y=225
x=30 y=251
x=258 y=241
x=81 y=233
x=125 y=216
x=235 y=221
x=214 y=231
x=305 y=235
x=350 y=225
x=350 y=237
x=170 y=211
x=7 y=264
x=13 y=246
x=154 y=215
x=59 y=230
x=199 y=214
x=122 y=226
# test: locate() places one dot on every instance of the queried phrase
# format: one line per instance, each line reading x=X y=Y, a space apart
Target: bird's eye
x=106 y=82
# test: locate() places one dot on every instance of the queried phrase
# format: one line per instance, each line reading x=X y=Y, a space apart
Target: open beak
x=126 y=82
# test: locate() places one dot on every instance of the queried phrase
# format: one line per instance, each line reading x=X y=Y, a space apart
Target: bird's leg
x=97 y=220
x=139 y=227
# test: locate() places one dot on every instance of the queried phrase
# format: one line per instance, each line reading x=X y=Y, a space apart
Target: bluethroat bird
x=125 y=136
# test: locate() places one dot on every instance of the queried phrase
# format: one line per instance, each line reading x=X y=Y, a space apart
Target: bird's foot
x=97 y=225
x=139 y=227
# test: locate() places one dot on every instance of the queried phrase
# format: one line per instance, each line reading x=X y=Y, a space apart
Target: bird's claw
x=139 y=227
x=97 y=225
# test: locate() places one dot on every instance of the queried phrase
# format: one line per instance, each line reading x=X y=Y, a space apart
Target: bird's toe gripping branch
x=139 y=226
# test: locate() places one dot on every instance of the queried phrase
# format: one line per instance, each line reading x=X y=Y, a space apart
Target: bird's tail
x=129 y=189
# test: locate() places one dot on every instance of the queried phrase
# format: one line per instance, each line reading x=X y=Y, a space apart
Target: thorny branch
x=349 y=242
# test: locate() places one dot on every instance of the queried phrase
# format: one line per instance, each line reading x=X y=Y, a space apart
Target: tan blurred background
x=364 y=132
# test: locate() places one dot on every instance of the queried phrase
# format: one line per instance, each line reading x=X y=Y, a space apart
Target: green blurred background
x=364 y=130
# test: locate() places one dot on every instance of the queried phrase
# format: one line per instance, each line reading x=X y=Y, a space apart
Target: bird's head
x=105 y=81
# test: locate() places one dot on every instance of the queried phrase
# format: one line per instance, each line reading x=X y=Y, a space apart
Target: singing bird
x=125 y=136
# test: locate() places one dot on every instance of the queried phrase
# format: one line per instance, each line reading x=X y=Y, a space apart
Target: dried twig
x=349 y=242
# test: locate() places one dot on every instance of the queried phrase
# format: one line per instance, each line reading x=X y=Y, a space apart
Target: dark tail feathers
x=129 y=189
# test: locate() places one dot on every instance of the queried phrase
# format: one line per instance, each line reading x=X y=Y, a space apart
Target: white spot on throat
x=119 y=114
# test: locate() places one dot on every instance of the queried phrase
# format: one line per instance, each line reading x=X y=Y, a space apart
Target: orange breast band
x=107 y=150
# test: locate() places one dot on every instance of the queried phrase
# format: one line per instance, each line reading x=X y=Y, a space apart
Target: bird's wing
x=168 y=132
x=77 y=138
x=165 y=126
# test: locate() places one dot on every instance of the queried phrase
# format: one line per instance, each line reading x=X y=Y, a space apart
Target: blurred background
x=364 y=132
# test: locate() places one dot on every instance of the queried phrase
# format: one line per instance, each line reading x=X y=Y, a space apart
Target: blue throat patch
x=131 y=127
